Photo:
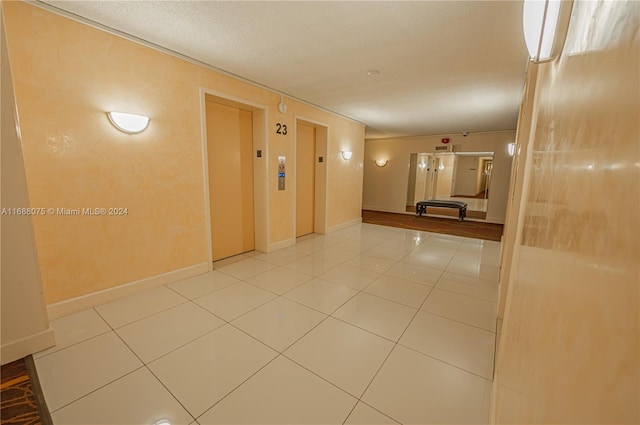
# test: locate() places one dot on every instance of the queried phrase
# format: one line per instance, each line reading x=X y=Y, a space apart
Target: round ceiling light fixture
x=373 y=73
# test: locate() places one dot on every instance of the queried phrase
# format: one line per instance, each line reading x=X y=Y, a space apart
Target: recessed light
x=373 y=73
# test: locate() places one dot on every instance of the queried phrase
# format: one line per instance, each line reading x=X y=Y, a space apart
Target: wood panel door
x=230 y=161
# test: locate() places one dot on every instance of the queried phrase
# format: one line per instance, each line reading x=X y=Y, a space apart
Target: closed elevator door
x=305 y=178
x=230 y=161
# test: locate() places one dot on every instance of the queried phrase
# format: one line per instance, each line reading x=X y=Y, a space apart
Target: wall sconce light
x=381 y=162
x=441 y=167
x=129 y=123
x=545 y=24
x=282 y=107
x=346 y=155
x=422 y=165
x=511 y=148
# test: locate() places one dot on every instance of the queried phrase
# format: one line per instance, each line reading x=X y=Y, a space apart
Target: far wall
x=385 y=188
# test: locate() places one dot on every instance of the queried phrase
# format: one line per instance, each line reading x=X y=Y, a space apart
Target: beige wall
x=67 y=76
x=569 y=351
x=25 y=327
x=522 y=149
x=385 y=188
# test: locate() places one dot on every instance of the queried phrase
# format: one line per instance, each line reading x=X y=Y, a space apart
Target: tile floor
x=368 y=325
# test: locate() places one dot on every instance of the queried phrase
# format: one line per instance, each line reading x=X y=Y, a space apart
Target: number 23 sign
x=281 y=129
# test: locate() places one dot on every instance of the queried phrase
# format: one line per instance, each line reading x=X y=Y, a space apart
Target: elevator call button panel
x=281 y=172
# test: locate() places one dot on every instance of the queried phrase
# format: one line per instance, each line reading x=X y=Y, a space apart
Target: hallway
x=360 y=326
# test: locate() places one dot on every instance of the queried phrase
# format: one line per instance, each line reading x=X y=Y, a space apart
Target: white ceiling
x=445 y=66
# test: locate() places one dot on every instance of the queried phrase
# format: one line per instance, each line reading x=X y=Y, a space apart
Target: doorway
x=235 y=178
x=310 y=177
x=305 y=178
x=229 y=147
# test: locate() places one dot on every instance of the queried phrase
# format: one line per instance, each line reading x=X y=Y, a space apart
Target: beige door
x=229 y=150
x=305 y=178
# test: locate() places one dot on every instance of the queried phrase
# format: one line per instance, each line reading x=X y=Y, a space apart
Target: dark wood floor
x=451 y=226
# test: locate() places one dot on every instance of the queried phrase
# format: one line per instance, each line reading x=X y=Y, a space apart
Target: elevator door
x=229 y=151
x=305 y=178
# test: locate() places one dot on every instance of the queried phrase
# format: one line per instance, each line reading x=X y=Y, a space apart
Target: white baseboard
x=22 y=347
x=83 y=302
x=344 y=225
x=282 y=244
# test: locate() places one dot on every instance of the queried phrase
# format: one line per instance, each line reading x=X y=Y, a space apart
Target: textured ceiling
x=445 y=66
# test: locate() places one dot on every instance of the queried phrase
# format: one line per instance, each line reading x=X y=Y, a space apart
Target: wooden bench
x=421 y=207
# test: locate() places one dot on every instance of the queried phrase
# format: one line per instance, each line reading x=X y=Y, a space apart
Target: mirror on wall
x=461 y=176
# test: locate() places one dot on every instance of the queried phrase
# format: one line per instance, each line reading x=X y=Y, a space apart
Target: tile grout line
x=96 y=389
x=396 y=343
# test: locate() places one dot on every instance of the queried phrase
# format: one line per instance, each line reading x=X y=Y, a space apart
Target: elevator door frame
x=260 y=166
x=320 y=208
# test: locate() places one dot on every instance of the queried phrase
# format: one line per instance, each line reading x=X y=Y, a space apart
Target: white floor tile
x=426 y=259
x=279 y=280
x=282 y=393
x=490 y=257
x=417 y=274
x=234 y=300
x=442 y=241
x=75 y=328
x=246 y=268
x=365 y=415
x=310 y=245
x=460 y=345
x=416 y=389
x=156 y=335
x=135 y=307
x=279 y=323
x=477 y=270
x=351 y=276
x=468 y=256
x=137 y=398
x=437 y=251
x=357 y=246
x=279 y=257
x=469 y=286
x=386 y=253
x=448 y=238
x=204 y=371
x=335 y=254
x=471 y=242
x=321 y=295
x=408 y=241
x=342 y=354
x=73 y=372
x=301 y=249
x=201 y=285
x=311 y=265
x=472 y=311
x=399 y=290
x=385 y=318
x=378 y=265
